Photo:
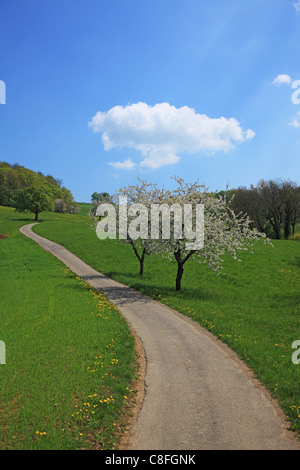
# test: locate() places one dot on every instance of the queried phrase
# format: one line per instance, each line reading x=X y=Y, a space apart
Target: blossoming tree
x=131 y=206
x=224 y=232
x=183 y=223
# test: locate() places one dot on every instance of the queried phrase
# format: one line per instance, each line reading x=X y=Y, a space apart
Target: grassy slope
x=69 y=353
x=253 y=306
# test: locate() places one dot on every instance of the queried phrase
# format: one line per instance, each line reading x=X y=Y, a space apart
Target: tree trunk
x=141 y=257
x=36 y=215
x=293 y=227
x=179 y=275
x=287 y=228
x=277 y=231
x=141 y=265
x=276 y=226
x=180 y=263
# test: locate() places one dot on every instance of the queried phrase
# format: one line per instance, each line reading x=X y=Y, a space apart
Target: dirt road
x=198 y=395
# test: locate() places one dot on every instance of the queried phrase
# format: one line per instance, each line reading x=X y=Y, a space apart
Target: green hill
x=16 y=177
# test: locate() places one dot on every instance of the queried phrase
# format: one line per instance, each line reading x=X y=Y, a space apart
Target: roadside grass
x=70 y=357
x=84 y=208
x=253 y=306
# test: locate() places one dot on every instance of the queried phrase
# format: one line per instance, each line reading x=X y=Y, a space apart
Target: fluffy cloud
x=282 y=79
x=127 y=164
x=161 y=132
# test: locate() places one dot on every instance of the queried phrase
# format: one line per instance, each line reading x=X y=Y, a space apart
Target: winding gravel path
x=198 y=394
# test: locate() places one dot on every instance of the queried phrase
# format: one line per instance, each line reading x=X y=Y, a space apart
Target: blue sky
x=160 y=74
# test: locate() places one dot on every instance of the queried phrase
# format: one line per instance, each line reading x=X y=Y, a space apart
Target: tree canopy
x=14 y=178
x=34 y=199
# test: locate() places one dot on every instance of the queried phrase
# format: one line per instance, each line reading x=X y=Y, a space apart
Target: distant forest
x=273 y=207
x=14 y=178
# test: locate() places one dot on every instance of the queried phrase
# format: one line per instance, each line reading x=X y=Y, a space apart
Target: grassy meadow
x=70 y=358
x=56 y=328
x=253 y=305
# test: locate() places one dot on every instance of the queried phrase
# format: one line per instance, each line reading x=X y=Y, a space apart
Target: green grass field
x=253 y=306
x=70 y=358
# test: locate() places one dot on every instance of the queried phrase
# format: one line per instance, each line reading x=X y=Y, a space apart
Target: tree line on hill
x=273 y=206
x=27 y=190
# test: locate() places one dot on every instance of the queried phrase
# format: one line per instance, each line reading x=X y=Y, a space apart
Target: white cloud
x=161 y=132
x=127 y=164
x=297 y=6
x=295 y=122
x=282 y=79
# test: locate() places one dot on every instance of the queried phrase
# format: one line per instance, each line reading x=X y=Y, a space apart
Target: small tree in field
x=135 y=200
x=34 y=199
x=224 y=231
x=139 y=199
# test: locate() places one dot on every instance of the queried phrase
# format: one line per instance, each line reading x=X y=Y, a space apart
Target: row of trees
x=98 y=197
x=27 y=190
x=273 y=206
x=224 y=230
